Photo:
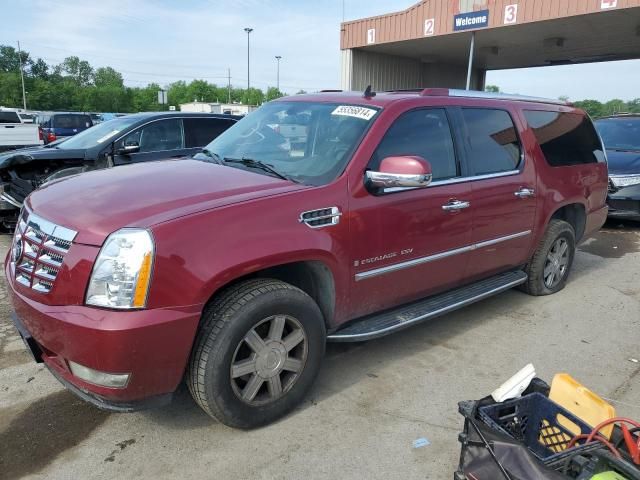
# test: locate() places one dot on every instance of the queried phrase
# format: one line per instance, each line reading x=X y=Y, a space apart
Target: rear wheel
x=551 y=262
x=257 y=353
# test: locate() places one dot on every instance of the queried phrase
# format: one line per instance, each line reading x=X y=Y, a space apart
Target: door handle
x=525 y=192
x=454 y=205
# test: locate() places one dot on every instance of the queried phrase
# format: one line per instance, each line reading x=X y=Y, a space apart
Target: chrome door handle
x=455 y=205
x=525 y=193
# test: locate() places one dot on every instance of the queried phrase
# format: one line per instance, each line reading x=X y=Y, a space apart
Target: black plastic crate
x=537 y=422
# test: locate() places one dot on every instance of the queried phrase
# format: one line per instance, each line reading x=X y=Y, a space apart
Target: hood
x=97 y=203
x=27 y=155
x=623 y=163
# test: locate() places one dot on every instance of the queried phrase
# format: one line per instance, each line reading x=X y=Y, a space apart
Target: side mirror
x=129 y=148
x=400 y=172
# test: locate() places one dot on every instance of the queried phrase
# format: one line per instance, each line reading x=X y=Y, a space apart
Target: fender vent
x=322 y=217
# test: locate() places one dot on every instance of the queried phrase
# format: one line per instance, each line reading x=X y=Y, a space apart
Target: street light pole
x=248 y=30
x=278 y=58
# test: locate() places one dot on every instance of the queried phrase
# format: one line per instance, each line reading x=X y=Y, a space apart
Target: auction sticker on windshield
x=358 y=112
x=108 y=135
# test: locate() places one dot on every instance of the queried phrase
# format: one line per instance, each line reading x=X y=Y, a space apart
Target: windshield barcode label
x=357 y=112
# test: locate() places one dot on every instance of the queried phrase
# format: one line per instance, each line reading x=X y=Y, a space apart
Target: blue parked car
x=61 y=125
x=621 y=137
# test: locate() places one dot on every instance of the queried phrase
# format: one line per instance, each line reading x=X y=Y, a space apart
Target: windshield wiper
x=216 y=158
x=251 y=163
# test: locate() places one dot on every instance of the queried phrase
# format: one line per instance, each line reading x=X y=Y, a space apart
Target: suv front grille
x=38 y=251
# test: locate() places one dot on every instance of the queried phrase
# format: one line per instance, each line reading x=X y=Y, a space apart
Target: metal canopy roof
x=602 y=35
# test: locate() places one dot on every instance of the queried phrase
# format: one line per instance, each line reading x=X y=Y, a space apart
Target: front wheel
x=257 y=353
x=551 y=262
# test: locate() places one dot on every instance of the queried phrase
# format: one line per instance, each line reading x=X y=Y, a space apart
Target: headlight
x=625 y=180
x=122 y=272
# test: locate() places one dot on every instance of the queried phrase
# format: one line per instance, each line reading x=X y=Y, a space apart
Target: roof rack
x=330 y=90
x=451 y=92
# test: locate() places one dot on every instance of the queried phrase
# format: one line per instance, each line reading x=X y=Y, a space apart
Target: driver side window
x=425 y=133
x=157 y=136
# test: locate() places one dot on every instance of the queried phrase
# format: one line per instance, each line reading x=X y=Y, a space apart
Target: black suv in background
x=139 y=137
x=621 y=137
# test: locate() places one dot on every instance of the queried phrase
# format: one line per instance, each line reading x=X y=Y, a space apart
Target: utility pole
x=248 y=30
x=229 y=83
x=278 y=58
x=24 y=94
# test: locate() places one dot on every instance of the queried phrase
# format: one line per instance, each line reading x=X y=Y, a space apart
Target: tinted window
x=621 y=133
x=71 y=121
x=9 y=117
x=492 y=141
x=565 y=138
x=157 y=136
x=198 y=132
x=425 y=133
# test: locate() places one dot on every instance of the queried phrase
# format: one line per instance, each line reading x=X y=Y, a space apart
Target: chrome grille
x=38 y=251
x=611 y=187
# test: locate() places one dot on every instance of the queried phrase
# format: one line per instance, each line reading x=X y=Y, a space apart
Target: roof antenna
x=368 y=93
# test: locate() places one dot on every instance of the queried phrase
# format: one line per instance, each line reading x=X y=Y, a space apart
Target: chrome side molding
x=438 y=256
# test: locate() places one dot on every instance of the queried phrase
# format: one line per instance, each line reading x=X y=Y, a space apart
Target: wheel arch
x=574 y=214
x=314 y=277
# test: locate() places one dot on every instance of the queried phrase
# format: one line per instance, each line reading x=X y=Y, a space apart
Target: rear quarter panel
x=584 y=184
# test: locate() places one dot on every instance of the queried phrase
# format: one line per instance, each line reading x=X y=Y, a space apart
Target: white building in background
x=226 y=108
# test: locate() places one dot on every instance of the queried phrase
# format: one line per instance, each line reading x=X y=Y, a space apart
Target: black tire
x=557 y=231
x=226 y=324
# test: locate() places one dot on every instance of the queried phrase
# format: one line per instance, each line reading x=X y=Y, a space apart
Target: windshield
x=620 y=133
x=307 y=142
x=98 y=134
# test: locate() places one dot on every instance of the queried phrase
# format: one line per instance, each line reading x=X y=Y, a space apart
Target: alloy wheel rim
x=269 y=360
x=556 y=263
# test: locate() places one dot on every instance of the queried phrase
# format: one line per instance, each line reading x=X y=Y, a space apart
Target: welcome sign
x=467 y=21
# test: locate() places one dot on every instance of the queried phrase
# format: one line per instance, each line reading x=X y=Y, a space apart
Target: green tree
x=592 y=107
x=146 y=99
x=39 y=69
x=80 y=71
x=10 y=59
x=615 y=106
x=301 y=92
x=178 y=93
x=107 y=77
x=492 y=89
x=633 y=106
x=273 y=93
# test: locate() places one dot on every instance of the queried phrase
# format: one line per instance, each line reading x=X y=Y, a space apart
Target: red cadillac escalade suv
x=232 y=269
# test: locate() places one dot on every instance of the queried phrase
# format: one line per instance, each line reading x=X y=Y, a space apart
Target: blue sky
x=164 y=41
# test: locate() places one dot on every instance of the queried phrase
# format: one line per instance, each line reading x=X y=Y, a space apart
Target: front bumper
x=153 y=346
x=625 y=203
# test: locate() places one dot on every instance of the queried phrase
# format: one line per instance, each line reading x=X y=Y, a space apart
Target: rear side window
x=198 y=132
x=9 y=117
x=425 y=133
x=72 y=121
x=565 y=138
x=492 y=141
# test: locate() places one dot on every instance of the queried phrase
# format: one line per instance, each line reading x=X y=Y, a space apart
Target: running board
x=380 y=324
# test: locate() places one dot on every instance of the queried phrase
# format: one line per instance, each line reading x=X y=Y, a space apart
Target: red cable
x=613 y=449
x=609 y=422
x=594 y=435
